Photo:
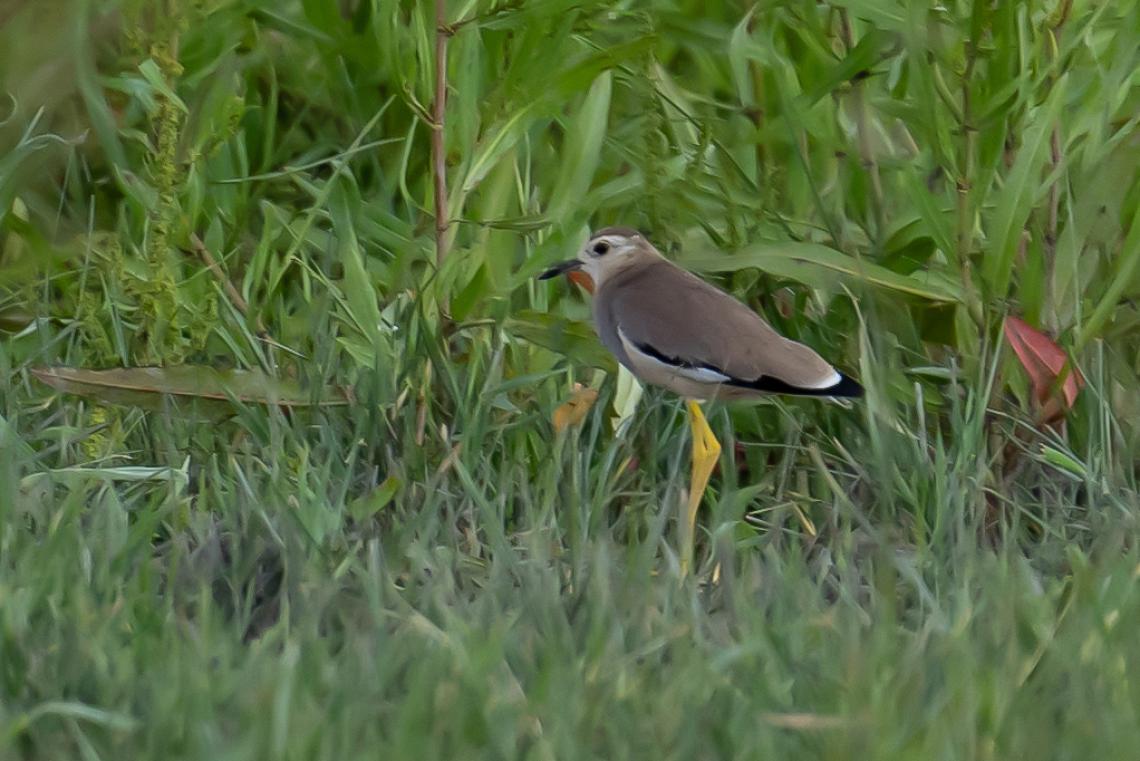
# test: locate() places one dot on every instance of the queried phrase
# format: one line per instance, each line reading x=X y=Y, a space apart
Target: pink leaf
x=1042 y=359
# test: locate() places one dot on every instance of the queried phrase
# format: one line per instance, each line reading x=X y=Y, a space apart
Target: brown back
x=683 y=317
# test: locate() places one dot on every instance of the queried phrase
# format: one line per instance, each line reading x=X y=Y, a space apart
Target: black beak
x=561 y=269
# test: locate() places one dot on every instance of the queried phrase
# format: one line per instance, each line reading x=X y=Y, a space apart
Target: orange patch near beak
x=581 y=278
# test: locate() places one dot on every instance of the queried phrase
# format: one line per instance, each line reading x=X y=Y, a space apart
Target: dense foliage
x=374 y=538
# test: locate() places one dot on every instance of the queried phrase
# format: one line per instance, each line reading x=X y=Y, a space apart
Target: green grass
x=432 y=571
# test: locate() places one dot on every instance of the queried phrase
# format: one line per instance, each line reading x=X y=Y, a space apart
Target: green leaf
x=87 y=80
x=936 y=220
x=365 y=507
x=820 y=267
x=741 y=50
x=10 y=163
x=117 y=722
x=1127 y=267
x=583 y=150
x=497 y=239
x=576 y=340
x=678 y=109
x=862 y=58
x=11 y=441
x=577 y=77
x=357 y=284
x=471 y=294
x=1063 y=461
x=153 y=75
x=323 y=15
x=883 y=14
x=1020 y=193
x=179 y=477
x=490 y=150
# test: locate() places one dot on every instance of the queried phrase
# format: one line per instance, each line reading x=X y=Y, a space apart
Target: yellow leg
x=706 y=452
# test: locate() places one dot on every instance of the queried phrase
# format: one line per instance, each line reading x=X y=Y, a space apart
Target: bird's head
x=607 y=252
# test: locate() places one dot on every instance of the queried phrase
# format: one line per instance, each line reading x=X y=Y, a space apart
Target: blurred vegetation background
x=359 y=503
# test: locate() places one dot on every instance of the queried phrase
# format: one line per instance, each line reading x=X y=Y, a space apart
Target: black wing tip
x=847 y=387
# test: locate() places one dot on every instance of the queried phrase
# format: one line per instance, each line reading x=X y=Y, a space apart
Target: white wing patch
x=831 y=380
x=697 y=374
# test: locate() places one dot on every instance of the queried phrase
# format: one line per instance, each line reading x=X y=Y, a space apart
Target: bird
x=672 y=329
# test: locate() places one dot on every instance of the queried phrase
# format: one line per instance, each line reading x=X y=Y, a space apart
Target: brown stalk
x=231 y=292
x=438 y=111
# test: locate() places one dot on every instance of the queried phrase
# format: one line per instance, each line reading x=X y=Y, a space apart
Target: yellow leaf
x=625 y=400
x=574 y=410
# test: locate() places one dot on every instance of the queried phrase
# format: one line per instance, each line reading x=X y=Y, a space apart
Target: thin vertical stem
x=866 y=153
x=1049 y=308
x=438 y=155
x=964 y=184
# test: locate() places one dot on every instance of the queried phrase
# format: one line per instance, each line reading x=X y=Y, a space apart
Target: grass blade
x=1021 y=191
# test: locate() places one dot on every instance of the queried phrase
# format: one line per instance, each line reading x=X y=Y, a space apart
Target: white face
x=604 y=254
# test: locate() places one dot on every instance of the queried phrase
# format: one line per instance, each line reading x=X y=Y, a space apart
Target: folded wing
x=704 y=334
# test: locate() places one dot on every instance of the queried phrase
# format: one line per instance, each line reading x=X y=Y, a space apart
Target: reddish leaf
x=1042 y=359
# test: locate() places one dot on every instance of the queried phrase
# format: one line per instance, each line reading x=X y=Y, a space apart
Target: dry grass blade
x=574 y=410
x=808 y=722
x=145 y=386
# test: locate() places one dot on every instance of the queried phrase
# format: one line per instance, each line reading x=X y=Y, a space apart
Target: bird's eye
x=601 y=248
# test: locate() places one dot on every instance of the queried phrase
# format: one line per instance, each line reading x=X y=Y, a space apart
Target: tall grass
x=433 y=570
